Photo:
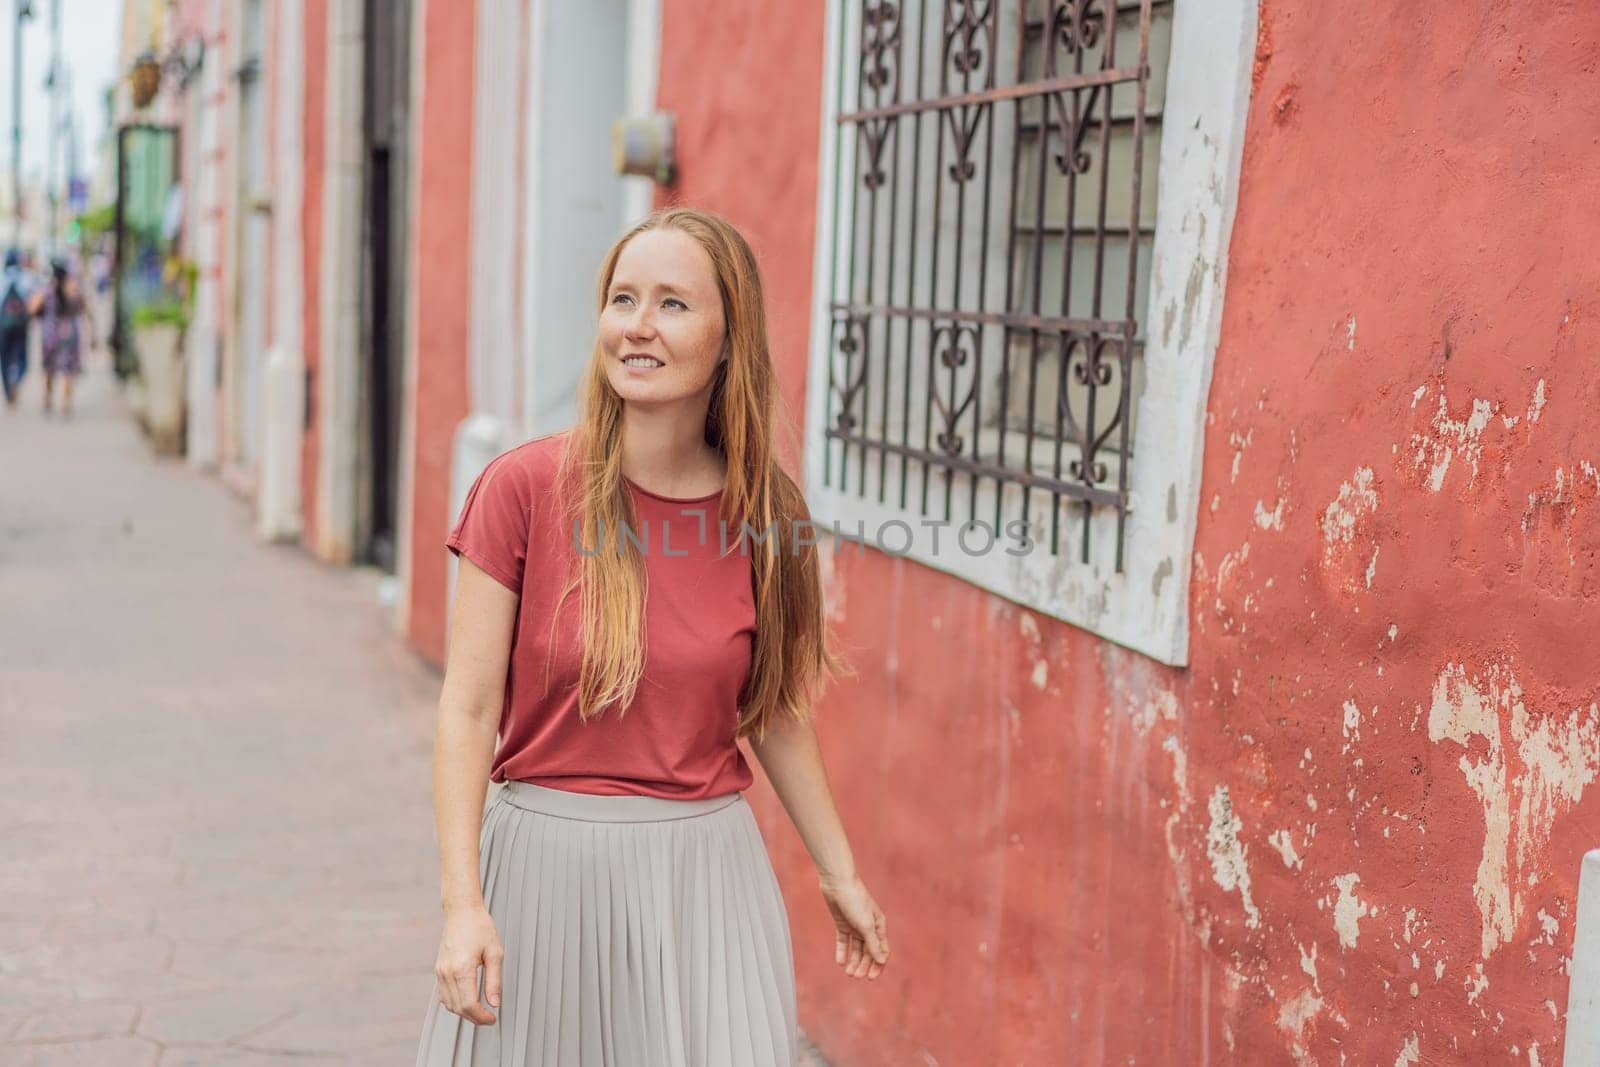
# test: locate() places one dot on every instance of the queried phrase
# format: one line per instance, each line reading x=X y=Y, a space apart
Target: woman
x=614 y=903
x=59 y=306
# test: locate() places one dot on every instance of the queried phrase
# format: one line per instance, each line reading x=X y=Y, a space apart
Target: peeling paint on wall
x=1346 y=561
x=1356 y=499
x=1176 y=852
x=1161 y=704
x=1348 y=910
x=1039 y=676
x=1228 y=855
x=1531 y=770
x=1308 y=964
x=1296 y=1016
x=1451 y=437
x=1280 y=840
x=1240 y=442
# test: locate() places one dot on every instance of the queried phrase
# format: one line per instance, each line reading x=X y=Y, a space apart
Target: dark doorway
x=387 y=97
x=147 y=167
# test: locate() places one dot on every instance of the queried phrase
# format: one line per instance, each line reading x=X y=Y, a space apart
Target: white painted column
x=498 y=200
x=576 y=204
x=283 y=395
x=201 y=345
x=643 y=73
x=339 y=370
x=406 y=534
x=282 y=404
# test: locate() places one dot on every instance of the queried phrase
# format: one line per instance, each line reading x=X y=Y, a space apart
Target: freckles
x=710 y=335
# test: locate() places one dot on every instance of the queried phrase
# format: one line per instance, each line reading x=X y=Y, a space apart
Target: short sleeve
x=492 y=530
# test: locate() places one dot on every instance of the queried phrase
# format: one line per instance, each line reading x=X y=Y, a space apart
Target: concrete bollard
x=1583 y=995
x=278 y=516
x=479 y=438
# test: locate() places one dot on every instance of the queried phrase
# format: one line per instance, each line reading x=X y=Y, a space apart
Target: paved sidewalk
x=217 y=835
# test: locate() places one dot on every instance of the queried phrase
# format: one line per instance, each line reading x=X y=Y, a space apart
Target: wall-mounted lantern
x=184 y=60
x=145 y=79
x=645 y=146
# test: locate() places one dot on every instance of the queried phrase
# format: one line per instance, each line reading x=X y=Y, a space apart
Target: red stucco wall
x=314 y=158
x=1351 y=827
x=743 y=80
x=441 y=271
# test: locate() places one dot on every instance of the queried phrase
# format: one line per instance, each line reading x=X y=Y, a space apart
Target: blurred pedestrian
x=642 y=920
x=100 y=271
x=60 y=306
x=16 y=294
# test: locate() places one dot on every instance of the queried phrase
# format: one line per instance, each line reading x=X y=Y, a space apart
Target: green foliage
x=164 y=312
x=96 y=222
x=175 y=304
x=182 y=274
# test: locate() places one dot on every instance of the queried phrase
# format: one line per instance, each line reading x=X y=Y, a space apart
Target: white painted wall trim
x=575 y=204
x=201 y=347
x=339 y=371
x=532 y=229
x=230 y=416
x=282 y=422
x=1583 y=995
x=1145 y=607
x=288 y=282
x=497 y=202
x=405 y=535
x=644 y=75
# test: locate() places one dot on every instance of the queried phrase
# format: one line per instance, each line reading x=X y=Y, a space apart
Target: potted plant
x=158 y=329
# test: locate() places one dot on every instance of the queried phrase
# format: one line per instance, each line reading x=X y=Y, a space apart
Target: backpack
x=13 y=310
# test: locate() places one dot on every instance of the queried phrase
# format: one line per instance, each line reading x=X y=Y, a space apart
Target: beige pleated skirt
x=638 y=932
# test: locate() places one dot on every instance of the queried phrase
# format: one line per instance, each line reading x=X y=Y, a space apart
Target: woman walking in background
x=59 y=306
x=614 y=903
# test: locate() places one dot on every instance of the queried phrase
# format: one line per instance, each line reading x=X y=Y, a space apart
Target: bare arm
x=469 y=717
x=792 y=760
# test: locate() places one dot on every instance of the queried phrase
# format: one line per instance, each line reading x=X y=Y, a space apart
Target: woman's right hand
x=469 y=941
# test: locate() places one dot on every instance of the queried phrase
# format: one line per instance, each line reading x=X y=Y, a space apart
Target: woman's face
x=662 y=330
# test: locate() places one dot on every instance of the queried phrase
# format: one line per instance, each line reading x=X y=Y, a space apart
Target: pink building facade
x=1298 y=765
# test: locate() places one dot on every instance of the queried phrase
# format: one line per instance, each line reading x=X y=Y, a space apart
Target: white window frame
x=1145 y=607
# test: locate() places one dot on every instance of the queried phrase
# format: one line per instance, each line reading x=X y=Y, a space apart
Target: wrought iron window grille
x=994 y=197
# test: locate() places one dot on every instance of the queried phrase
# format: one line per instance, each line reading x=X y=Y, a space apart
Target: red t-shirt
x=676 y=738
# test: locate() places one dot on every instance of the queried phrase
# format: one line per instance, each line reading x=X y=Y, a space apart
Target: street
x=214 y=769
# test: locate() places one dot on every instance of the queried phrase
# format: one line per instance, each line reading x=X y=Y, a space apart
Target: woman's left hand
x=861 y=944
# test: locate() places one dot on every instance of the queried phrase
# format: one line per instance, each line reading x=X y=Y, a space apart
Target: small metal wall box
x=644 y=146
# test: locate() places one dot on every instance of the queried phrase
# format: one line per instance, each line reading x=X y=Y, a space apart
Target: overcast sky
x=89 y=38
